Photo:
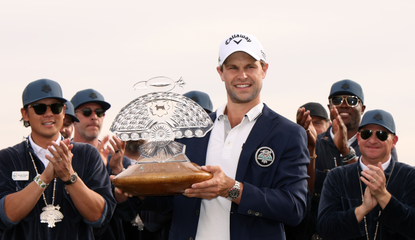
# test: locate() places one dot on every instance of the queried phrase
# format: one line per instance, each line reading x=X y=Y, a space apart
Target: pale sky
x=111 y=45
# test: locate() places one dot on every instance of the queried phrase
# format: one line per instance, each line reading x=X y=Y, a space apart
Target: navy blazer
x=271 y=196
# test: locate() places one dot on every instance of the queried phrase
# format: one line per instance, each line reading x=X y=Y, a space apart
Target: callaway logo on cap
x=241 y=42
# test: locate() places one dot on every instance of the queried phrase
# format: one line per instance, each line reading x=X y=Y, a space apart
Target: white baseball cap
x=241 y=42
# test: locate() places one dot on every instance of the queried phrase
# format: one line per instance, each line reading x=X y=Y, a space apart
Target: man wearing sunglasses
x=338 y=145
x=51 y=188
x=375 y=197
x=90 y=107
x=68 y=121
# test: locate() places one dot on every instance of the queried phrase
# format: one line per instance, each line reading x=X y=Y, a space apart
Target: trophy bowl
x=160 y=179
x=159 y=118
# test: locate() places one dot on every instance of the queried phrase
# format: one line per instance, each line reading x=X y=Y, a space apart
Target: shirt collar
x=39 y=151
x=385 y=165
x=349 y=141
x=252 y=114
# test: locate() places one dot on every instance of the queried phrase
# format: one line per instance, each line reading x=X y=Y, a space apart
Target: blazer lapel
x=263 y=126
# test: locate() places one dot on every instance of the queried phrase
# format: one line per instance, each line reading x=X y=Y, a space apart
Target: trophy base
x=160 y=179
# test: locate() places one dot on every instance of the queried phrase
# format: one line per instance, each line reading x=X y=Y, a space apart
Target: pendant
x=51 y=215
x=138 y=223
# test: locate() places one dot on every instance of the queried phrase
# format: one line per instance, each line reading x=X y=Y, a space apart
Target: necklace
x=51 y=213
x=361 y=192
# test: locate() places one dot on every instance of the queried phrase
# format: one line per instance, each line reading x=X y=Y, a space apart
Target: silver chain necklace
x=51 y=213
x=361 y=192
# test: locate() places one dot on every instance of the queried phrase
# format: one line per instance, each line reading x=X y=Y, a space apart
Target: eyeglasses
x=87 y=112
x=40 y=108
x=381 y=135
x=351 y=101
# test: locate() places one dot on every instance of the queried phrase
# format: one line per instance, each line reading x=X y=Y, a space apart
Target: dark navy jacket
x=327 y=157
x=86 y=161
x=114 y=229
x=271 y=196
x=341 y=195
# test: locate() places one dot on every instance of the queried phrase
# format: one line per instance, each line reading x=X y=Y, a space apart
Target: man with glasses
x=90 y=107
x=375 y=197
x=68 y=121
x=51 y=188
x=338 y=145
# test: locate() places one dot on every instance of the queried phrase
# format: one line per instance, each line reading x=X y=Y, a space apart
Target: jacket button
x=249 y=212
x=197 y=212
x=190 y=238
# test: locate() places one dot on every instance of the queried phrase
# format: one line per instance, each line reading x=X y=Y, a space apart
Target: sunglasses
x=87 y=112
x=381 y=135
x=351 y=101
x=40 y=108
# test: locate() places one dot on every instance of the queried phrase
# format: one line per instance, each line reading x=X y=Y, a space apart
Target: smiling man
x=375 y=197
x=258 y=159
x=338 y=146
x=51 y=188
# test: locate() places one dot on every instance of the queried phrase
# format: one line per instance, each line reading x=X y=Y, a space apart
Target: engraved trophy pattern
x=159 y=118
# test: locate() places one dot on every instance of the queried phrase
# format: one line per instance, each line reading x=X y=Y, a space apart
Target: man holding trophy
x=257 y=157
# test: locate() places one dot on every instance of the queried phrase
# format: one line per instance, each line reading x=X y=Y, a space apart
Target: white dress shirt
x=224 y=149
x=41 y=152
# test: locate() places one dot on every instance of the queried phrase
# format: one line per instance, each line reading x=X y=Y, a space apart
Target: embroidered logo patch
x=264 y=156
x=345 y=86
x=46 y=88
x=378 y=117
x=93 y=95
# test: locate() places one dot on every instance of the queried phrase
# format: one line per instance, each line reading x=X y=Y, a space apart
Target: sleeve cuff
x=99 y=222
x=6 y=221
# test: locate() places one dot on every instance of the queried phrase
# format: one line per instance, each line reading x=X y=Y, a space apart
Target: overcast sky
x=111 y=45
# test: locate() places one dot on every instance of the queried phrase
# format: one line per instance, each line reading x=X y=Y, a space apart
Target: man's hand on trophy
x=120 y=195
x=219 y=185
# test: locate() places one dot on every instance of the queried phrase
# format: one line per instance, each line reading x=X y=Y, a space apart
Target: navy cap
x=70 y=111
x=89 y=96
x=347 y=86
x=41 y=89
x=316 y=109
x=379 y=117
x=201 y=98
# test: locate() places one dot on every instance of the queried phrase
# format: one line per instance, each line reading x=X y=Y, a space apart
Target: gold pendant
x=51 y=215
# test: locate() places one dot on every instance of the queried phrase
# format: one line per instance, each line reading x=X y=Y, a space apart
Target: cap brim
x=38 y=99
x=104 y=104
x=254 y=56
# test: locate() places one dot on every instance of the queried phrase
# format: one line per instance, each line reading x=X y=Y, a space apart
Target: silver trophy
x=158 y=118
